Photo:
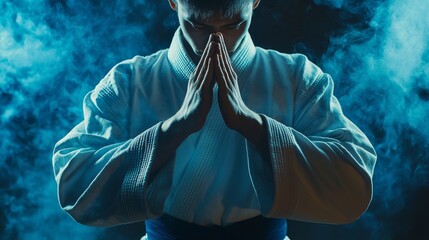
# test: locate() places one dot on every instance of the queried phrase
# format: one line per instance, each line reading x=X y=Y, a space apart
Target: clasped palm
x=213 y=67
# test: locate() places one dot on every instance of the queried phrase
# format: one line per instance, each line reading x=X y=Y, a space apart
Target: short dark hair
x=207 y=8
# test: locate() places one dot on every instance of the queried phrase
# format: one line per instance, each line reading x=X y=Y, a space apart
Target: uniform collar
x=184 y=66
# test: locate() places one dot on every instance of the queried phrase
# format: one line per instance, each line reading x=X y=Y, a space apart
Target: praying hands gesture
x=235 y=113
x=214 y=67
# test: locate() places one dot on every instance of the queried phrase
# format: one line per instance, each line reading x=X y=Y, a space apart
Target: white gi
x=320 y=167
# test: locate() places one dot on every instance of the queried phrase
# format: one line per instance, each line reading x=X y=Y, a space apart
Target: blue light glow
x=54 y=51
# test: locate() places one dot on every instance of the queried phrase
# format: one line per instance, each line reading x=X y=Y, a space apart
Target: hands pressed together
x=215 y=68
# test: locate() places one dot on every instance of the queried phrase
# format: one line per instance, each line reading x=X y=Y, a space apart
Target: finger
x=224 y=69
x=220 y=74
x=201 y=72
x=224 y=49
x=206 y=53
x=226 y=58
x=208 y=76
x=222 y=59
x=203 y=58
x=228 y=61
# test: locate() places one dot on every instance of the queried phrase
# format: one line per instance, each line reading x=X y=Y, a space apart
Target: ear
x=173 y=4
x=256 y=3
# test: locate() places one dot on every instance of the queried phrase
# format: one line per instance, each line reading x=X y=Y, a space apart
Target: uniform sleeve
x=100 y=170
x=320 y=168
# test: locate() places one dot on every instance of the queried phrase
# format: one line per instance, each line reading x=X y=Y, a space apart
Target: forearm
x=104 y=186
x=172 y=133
x=333 y=186
x=317 y=179
x=254 y=130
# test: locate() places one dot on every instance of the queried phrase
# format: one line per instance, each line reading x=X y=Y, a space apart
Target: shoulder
x=298 y=62
x=141 y=63
x=124 y=72
x=149 y=61
x=296 y=66
x=120 y=79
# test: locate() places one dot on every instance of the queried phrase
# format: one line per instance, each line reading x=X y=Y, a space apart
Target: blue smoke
x=382 y=79
x=51 y=54
x=54 y=51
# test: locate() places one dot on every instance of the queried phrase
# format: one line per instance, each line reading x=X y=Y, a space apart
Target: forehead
x=241 y=11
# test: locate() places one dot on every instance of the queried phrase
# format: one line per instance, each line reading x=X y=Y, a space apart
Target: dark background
x=53 y=52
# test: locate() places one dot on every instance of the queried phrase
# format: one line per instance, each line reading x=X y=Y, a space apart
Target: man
x=214 y=138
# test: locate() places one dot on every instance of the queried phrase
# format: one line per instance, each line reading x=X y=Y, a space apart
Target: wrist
x=175 y=129
x=251 y=127
x=169 y=138
x=254 y=130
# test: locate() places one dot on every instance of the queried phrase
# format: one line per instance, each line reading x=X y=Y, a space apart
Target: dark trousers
x=259 y=228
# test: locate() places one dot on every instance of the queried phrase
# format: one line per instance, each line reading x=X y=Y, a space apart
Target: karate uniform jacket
x=319 y=169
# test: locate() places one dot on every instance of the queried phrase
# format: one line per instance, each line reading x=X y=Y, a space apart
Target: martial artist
x=214 y=138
